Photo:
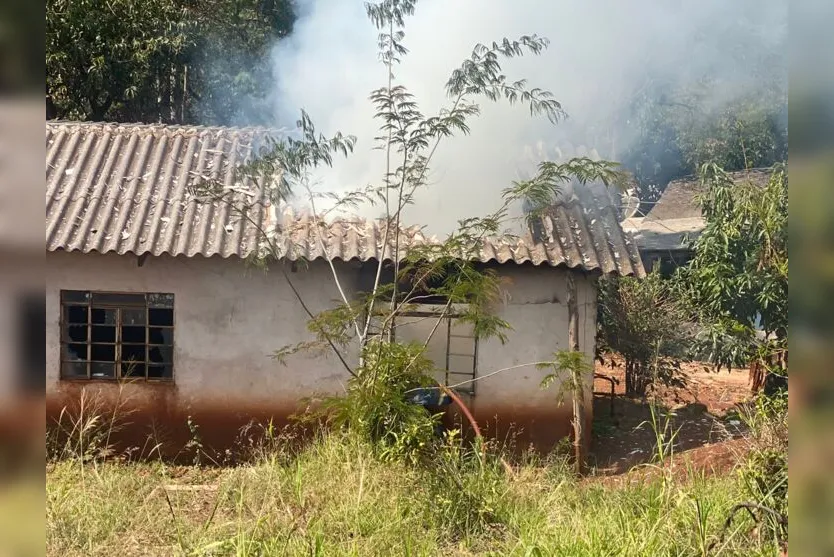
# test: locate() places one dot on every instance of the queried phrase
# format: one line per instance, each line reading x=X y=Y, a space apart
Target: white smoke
x=601 y=54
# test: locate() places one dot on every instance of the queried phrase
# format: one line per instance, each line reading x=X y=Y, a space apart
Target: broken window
x=107 y=335
x=453 y=346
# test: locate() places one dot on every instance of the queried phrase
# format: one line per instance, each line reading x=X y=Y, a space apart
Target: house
x=151 y=307
x=665 y=233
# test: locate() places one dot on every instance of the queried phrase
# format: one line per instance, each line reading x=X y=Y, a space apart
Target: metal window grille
x=112 y=335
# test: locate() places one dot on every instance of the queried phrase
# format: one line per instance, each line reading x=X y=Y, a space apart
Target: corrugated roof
x=127 y=188
x=665 y=235
x=676 y=217
x=678 y=200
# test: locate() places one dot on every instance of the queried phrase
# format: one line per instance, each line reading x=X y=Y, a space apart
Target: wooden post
x=580 y=435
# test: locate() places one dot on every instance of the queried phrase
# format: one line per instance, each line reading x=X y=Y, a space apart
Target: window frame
x=432 y=310
x=119 y=306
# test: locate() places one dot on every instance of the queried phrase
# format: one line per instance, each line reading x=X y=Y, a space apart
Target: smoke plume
x=601 y=55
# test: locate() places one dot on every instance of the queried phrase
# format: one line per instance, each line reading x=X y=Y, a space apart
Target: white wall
x=537 y=311
x=230 y=319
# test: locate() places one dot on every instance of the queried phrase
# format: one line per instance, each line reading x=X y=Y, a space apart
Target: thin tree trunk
x=177 y=81
x=184 y=100
x=629 y=377
x=580 y=441
x=165 y=94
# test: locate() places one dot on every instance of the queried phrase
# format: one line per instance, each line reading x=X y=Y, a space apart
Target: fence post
x=580 y=441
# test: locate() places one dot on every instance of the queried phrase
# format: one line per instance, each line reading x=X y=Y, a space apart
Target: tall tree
x=231 y=68
x=738 y=278
x=731 y=111
x=678 y=129
x=172 y=61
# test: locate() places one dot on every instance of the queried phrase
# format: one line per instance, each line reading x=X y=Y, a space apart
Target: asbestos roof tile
x=128 y=188
x=679 y=199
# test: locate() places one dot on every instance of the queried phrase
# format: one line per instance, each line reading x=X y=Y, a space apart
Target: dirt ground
x=702 y=413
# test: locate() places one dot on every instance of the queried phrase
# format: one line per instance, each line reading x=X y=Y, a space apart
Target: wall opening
x=109 y=335
x=452 y=343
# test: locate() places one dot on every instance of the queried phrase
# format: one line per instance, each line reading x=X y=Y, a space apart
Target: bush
x=376 y=405
x=642 y=320
x=737 y=280
x=764 y=474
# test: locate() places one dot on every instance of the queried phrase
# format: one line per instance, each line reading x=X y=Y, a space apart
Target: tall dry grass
x=333 y=497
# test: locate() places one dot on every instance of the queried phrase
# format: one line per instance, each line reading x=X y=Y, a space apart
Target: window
x=453 y=347
x=108 y=335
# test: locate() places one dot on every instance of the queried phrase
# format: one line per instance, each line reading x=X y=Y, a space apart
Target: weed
x=194 y=444
x=83 y=432
x=765 y=471
x=337 y=496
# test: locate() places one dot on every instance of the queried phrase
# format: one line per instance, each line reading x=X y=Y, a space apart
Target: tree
x=677 y=122
x=387 y=371
x=678 y=130
x=230 y=61
x=738 y=278
x=643 y=320
x=171 y=61
x=570 y=368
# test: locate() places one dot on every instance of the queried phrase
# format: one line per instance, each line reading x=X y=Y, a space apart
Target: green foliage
x=430 y=273
x=292 y=158
x=172 y=61
x=643 y=320
x=665 y=435
x=332 y=497
x=680 y=133
x=540 y=191
x=724 y=342
x=467 y=490
x=571 y=363
x=764 y=473
x=375 y=405
x=570 y=368
x=677 y=126
x=481 y=74
x=739 y=272
x=738 y=279
x=747 y=134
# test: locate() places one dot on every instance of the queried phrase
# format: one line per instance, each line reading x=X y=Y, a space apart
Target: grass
x=21 y=513
x=333 y=498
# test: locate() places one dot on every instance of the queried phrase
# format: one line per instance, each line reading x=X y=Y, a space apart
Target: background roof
x=678 y=200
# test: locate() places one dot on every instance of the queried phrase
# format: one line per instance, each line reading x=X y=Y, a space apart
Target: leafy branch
x=446 y=272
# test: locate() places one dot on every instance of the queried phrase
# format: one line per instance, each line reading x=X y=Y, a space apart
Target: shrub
x=467 y=489
x=642 y=320
x=737 y=280
x=376 y=404
x=764 y=474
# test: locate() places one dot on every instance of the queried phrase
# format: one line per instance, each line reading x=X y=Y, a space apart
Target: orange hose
x=474 y=424
x=463 y=409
